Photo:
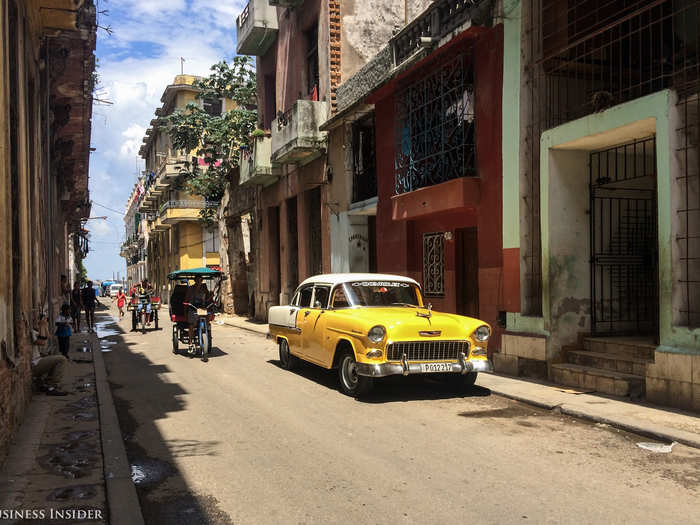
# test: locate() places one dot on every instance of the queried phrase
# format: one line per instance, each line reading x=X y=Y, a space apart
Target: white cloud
x=136 y=63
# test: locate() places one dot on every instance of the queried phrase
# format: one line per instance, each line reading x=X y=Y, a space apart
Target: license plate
x=428 y=368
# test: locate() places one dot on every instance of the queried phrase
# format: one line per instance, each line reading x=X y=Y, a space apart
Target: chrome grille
x=426 y=350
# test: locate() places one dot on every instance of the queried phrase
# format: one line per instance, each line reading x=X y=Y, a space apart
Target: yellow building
x=175 y=238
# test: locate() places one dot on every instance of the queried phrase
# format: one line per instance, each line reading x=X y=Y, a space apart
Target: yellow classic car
x=374 y=325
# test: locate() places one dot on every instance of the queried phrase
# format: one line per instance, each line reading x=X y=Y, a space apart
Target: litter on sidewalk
x=657 y=447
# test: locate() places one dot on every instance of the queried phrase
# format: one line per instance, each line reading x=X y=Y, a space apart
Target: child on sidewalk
x=63 y=332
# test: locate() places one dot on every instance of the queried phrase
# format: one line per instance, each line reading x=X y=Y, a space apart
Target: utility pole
x=182 y=66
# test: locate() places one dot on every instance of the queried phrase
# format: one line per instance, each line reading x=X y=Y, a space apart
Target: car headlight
x=482 y=333
x=376 y=334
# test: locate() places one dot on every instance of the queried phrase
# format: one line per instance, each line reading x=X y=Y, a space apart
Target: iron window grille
x=435 y=128
x=434 y=264
x=583 y=56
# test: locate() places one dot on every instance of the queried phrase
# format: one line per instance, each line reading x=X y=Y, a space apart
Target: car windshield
x=381 y=293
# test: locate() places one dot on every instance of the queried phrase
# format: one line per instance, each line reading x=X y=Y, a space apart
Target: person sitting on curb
x=48 y=372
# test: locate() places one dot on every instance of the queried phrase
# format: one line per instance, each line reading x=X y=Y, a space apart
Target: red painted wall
x=399 y=247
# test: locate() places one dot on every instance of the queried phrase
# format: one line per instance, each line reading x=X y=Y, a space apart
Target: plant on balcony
x=216 y=139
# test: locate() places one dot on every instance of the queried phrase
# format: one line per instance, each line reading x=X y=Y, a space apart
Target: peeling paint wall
x=569 y=248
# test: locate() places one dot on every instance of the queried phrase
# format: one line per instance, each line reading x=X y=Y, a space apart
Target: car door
x=303 y=309
x=313 y=330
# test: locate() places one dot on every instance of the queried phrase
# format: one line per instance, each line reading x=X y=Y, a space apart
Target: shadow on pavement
x=141 y=398
x=390 y=389
x=215 y=352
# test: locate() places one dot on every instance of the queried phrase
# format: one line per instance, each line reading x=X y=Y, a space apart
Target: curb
x=122 y=500
x=662 y=435
x=253 y=330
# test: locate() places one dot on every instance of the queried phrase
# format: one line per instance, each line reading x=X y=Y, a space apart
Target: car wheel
x=175 y=340
x=459 y=382
x=351 y=383
x=287 y=360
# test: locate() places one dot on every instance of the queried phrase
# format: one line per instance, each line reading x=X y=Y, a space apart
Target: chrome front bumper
x=463 y=366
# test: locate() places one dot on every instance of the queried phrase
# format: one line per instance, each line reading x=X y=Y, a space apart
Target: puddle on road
x=73 y=493
x=146 y=472
x=81 y=404
x=105 y=345
x=74 y=459
x=105 y=328
x=81 y=435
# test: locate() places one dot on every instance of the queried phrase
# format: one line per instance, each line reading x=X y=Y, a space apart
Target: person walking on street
x=63 y=333
x=89 y=300
x=76 y=306
x=121 y=300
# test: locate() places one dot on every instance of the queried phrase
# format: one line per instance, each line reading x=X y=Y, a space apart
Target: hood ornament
x=427 y=314
x=430 y=333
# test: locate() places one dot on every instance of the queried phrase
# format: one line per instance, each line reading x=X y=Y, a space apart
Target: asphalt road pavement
x=239 y=440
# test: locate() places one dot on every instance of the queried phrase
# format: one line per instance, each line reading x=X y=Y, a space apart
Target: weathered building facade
x=304 y=49
x=46 y=82
x=176 y=238
x=417 y=138
x=601 y=201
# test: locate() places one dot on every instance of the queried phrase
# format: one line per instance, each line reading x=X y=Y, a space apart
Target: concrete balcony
x=295 y=135
x=159 y=225
x=172 y=212
x=286 y=3
x=257 y=28
x=256 y=167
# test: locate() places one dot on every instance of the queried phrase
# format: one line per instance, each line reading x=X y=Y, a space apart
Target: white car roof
x=337 y=278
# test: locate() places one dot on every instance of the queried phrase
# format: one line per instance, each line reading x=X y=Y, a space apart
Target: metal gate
x=623 y=218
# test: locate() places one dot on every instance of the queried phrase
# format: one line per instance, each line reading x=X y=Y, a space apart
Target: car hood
x=403 y=323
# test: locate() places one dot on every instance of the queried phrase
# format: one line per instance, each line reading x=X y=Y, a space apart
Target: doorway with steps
x=613 y=357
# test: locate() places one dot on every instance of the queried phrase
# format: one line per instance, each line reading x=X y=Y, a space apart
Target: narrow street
x=239 y=440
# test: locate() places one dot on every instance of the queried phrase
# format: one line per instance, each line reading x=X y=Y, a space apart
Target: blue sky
x=136 y=63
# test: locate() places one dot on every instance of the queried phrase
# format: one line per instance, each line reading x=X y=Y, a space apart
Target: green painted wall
x=659 y=106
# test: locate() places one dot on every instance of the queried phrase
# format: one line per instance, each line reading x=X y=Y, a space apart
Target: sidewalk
x=664 y=424
x=68 y=455
x=242 y=323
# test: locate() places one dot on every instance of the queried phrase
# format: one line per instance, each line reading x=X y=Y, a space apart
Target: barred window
x=435 y=129
x=433 y=264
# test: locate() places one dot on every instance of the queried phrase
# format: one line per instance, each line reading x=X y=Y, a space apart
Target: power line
x=107 y=208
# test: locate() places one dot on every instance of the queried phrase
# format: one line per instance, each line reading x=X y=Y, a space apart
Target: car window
x=340 y=300
x=382 y=293
x=305 y=296
x=321 y=296
x=295 y=300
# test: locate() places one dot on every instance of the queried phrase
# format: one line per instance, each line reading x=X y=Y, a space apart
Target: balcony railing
x=295 y=135
x=181 y=210
x=257 y=28
x=443 y=17
x=256 y=166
